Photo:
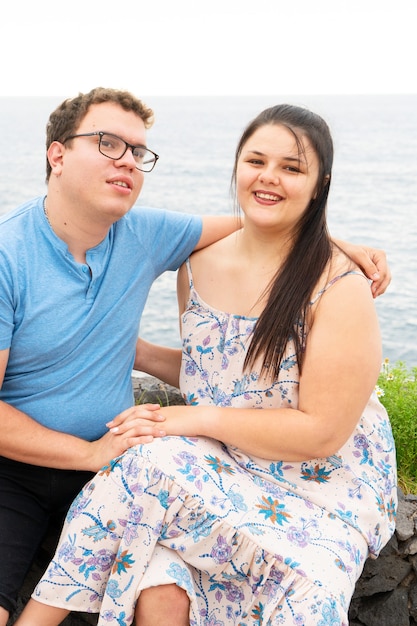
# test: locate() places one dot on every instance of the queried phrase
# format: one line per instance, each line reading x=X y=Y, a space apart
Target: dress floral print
x=253 y=542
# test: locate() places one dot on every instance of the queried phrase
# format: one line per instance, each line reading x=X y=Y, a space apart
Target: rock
x=382 y=574
x=388 y=610
x=405 y=522
x=149 y=389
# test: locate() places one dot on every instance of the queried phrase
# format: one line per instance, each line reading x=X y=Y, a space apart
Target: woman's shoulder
x=216 y=253
x=339 y=267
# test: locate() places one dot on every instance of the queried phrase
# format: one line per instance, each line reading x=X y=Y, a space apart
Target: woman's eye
x=256 y=161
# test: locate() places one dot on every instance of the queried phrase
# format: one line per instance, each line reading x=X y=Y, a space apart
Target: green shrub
x=397 y=391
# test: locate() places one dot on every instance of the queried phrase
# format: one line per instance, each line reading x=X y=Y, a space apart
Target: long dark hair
x=285 y=314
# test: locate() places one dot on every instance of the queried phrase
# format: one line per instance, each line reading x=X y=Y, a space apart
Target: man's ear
x=55 y=154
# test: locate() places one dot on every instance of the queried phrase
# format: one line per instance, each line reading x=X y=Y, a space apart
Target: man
x=76 y=273
x=77 y=267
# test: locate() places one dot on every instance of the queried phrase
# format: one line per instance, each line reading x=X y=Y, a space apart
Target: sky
x=208 y=48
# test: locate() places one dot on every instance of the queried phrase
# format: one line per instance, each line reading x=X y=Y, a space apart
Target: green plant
x=397 y=391
x=153 y=397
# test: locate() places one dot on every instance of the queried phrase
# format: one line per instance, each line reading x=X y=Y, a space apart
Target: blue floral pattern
x=253 y=542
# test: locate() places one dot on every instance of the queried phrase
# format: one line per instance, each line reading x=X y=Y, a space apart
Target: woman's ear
x=326 y=181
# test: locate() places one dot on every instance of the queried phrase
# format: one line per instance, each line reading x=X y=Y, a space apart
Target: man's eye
x=107 y=143
x=139 y=153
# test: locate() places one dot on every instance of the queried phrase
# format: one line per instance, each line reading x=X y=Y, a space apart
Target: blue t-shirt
x=72 y=333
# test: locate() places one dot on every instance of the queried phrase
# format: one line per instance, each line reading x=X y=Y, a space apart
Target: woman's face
x=275 y=181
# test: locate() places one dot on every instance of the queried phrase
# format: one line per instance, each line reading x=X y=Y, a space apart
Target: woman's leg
x=190 y=497
x=37 y=613
x=166 y=604
x=110 y=536
x=4 y=616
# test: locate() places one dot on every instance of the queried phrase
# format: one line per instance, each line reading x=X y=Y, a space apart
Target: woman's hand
x=140 y=421
x=137 y=425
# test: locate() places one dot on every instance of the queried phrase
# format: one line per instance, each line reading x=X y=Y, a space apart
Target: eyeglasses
x=114 y=147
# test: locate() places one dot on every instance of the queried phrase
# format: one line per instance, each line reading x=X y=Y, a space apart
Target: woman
x=278 y=480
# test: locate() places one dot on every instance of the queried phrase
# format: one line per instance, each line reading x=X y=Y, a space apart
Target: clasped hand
x=137 y=425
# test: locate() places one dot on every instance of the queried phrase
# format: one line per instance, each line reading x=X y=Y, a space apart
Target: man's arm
x=216 y=227
x=372 y=261
x=159 y=361
x=25 y=440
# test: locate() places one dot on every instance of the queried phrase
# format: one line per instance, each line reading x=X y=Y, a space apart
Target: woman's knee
x=164 y=604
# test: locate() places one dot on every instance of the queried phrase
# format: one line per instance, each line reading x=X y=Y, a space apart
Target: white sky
x=215 y=47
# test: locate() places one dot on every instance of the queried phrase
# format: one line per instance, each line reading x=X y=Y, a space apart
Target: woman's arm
x=343 y=359
x=372 y=261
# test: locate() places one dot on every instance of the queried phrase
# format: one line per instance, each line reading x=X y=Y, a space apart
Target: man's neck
x=79 y=234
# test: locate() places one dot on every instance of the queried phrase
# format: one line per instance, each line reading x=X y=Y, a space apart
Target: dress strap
x=189 y=273
x=333 y=281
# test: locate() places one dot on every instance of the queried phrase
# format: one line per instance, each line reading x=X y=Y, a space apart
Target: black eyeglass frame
x=101 y=133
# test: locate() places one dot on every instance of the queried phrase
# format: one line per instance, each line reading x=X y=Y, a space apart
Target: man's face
x=92 y=184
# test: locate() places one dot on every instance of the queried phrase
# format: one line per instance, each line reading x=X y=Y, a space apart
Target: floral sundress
x=253 y=542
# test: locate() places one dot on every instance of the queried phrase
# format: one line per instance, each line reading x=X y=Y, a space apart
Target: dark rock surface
x=385 y=594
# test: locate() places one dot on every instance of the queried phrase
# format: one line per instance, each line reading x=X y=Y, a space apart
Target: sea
x=373 y=199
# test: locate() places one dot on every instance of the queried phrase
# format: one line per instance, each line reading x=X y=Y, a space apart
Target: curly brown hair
x=67 y=117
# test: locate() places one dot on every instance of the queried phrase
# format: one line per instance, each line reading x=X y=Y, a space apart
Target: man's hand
x=137 y=425
x=382 y=277
x=372 y=261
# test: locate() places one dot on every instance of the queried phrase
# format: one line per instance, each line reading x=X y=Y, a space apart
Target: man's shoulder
x=158 y=213
x=19 y=213
x=144 y=218
x=144 y=213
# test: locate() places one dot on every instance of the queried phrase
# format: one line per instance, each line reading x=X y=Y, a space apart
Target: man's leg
x=23 y=523
x=29 y=497
x=166 y=604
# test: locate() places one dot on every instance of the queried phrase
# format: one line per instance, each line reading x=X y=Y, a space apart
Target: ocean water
x=373 y=198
